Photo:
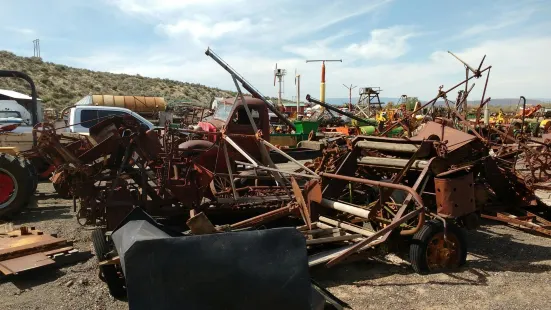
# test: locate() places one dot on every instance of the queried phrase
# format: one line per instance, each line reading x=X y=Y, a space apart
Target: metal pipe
x=247 y=156
x=280 y=171
x=417 y=199
x=343 y=207
x=521 y=129
x=413 y=231
x=391 y=162
x=360 y=245
x=331 y=108
x=249 y=87
x=227 y=157
x=287 y=156
x=262 y=218
x=523 y=114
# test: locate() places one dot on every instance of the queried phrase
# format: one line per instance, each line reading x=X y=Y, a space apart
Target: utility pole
x=36 y=52
x=350 y=96
x=279 y=74
x=322 y=86
x=297 y=83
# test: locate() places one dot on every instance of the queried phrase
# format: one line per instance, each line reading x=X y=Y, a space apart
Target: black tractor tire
x=107 y=273
x=17 y=176
x=33 y=175
x=419 y=250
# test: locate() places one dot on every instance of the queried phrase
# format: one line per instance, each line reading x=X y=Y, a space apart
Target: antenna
x=279 y=74
x=322 y=85
x=350 y=96
x=36 y=52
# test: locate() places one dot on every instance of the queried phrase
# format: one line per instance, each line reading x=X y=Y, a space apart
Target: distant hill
x=59 y=86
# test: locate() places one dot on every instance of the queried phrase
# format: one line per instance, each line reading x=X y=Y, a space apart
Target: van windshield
x=223 y=111
x=6 y=114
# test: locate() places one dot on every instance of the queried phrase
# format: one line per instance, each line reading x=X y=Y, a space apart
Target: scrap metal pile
x=365 y=194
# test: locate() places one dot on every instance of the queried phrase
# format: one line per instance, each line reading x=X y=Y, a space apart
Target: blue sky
x=398 y=45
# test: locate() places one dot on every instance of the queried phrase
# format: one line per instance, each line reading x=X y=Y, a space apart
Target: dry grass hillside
x=60 y=86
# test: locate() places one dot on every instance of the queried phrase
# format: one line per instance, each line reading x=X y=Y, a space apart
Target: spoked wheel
x=431 y=252
x=221 y=186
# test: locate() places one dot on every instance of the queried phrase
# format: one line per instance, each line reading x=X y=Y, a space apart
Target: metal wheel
x=221 y=186
x=16 y=184
x=430 y=252
x=443 y=253
x=8 y=188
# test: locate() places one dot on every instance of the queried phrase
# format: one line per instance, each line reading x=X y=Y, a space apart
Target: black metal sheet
x=265 y=269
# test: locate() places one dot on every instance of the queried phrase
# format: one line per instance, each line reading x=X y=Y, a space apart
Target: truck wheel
x=107 y=273
x=15 y=184
x=429 y=252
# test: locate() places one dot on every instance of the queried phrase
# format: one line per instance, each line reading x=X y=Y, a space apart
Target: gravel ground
x=506 y=269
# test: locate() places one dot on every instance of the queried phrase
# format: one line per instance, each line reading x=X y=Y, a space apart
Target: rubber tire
x=23 y=179
x=62 y=190
x=108 y=273
x=418 y=247
x=33 y=175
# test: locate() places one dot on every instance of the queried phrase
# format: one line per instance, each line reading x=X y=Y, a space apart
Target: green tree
x=410 y=103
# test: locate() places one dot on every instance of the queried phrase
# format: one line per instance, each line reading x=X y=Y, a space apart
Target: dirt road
x=507 y=269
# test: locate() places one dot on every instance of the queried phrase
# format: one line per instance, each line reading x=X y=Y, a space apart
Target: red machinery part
x=7 y=186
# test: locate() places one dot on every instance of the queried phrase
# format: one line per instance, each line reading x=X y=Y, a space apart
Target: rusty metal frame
x=398 y=219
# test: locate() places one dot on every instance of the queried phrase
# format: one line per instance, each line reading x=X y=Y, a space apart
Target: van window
x=88 y=118
x=105 y=113
x=241 y=117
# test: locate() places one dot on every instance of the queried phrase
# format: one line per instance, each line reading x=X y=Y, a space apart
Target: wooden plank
x=4 y=270
x=326 y=256
x=19 y=264
x=333 y=239
x=113 y=261
x=347 y=226
x=57 y=251
x=305 y=227
x=322 y=231
x=30 y=248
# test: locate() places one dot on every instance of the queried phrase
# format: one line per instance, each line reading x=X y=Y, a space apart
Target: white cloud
x=264 y=20
x=255 y=34
x=158 y=7
x=512 y=16
x=389 y=43
x=22 y=31
x=204 y=28
x=520 y=67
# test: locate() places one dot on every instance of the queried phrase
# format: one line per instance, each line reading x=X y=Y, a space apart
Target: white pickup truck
x=81 y=118
x=78 y=121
